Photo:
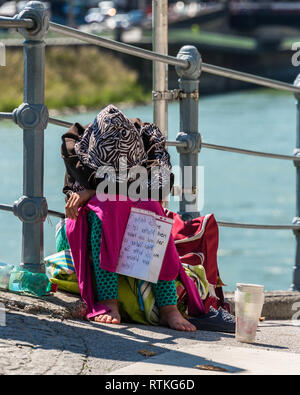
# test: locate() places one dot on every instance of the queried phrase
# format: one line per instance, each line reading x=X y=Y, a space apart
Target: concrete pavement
x=279 y=305
x=214 y=359
x=40 y=344
x=48 y=336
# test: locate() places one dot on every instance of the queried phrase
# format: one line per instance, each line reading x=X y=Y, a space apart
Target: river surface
x=237 y=188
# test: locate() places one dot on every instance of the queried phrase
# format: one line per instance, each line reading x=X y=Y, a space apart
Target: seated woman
x=107 y=142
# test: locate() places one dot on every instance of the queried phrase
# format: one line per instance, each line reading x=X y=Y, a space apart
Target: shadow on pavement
x=120 y=343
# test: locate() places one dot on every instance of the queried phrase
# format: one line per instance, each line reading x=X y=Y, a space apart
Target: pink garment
x=114 y=216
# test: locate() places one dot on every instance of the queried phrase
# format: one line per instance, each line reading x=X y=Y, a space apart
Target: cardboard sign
x=144 y=245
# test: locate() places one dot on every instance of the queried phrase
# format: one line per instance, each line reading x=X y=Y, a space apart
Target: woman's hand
x=78 y=199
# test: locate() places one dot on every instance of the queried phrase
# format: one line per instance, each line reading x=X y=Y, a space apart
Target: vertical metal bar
x=189 y=100
x=142 y=4
x=32 y=117
x=71 y=21
x=160 y=70
x=296 y=221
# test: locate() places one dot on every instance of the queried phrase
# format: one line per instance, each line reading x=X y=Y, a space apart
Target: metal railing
x=32 y=116
x=170 y=60
x=182 y=144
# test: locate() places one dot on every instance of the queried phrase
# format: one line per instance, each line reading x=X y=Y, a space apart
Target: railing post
x=160 y=70
x=296 y=221
x=32 y=117
x=189 y=100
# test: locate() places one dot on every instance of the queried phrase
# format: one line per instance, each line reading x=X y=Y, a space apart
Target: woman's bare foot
x=113 y=316
x=171 y=316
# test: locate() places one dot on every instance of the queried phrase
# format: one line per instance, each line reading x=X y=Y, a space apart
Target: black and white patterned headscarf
x=111 y=139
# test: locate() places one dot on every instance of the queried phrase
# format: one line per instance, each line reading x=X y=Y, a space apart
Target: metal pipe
x=160 y=70
x=179 y=144
x=6 y=207
x=53 y=213
x=59 y=122
x=7 y=23
x=296 y=221
x=118 y=46
x=145 y=54
x=6 y=115
x=183 y=144
x=189 y=125
x=249 y=152
x=246 y=77
x=256 y=226
x=32 y=117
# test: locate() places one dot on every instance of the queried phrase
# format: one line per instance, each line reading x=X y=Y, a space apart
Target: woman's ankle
x=109 y=302
x=167 y=308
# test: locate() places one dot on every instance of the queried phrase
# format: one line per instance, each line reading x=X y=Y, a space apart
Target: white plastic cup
x=249 y=300
x=5 y=271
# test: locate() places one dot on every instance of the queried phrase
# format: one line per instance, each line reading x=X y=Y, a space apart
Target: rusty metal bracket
x=175 y=94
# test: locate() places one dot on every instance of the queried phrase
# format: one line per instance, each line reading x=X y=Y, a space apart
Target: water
x=237 y=187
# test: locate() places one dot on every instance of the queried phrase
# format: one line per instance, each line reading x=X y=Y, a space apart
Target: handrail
x=204 y=145
x=118 y=46
x=60 y=122
x=26 y=23
x=183 y=144
x=257 y=226
x=53 y=213
x=57 y=214
x=6 y=207
x=150 y=55
x=6 y=115
x=251 y=78
x=250 y=152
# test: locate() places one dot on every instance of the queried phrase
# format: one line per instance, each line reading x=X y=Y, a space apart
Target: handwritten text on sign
x=144 y=245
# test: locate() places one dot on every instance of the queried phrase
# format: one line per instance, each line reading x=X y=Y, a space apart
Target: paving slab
x=41 y=344
x=49 y=336
x=212 y=359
